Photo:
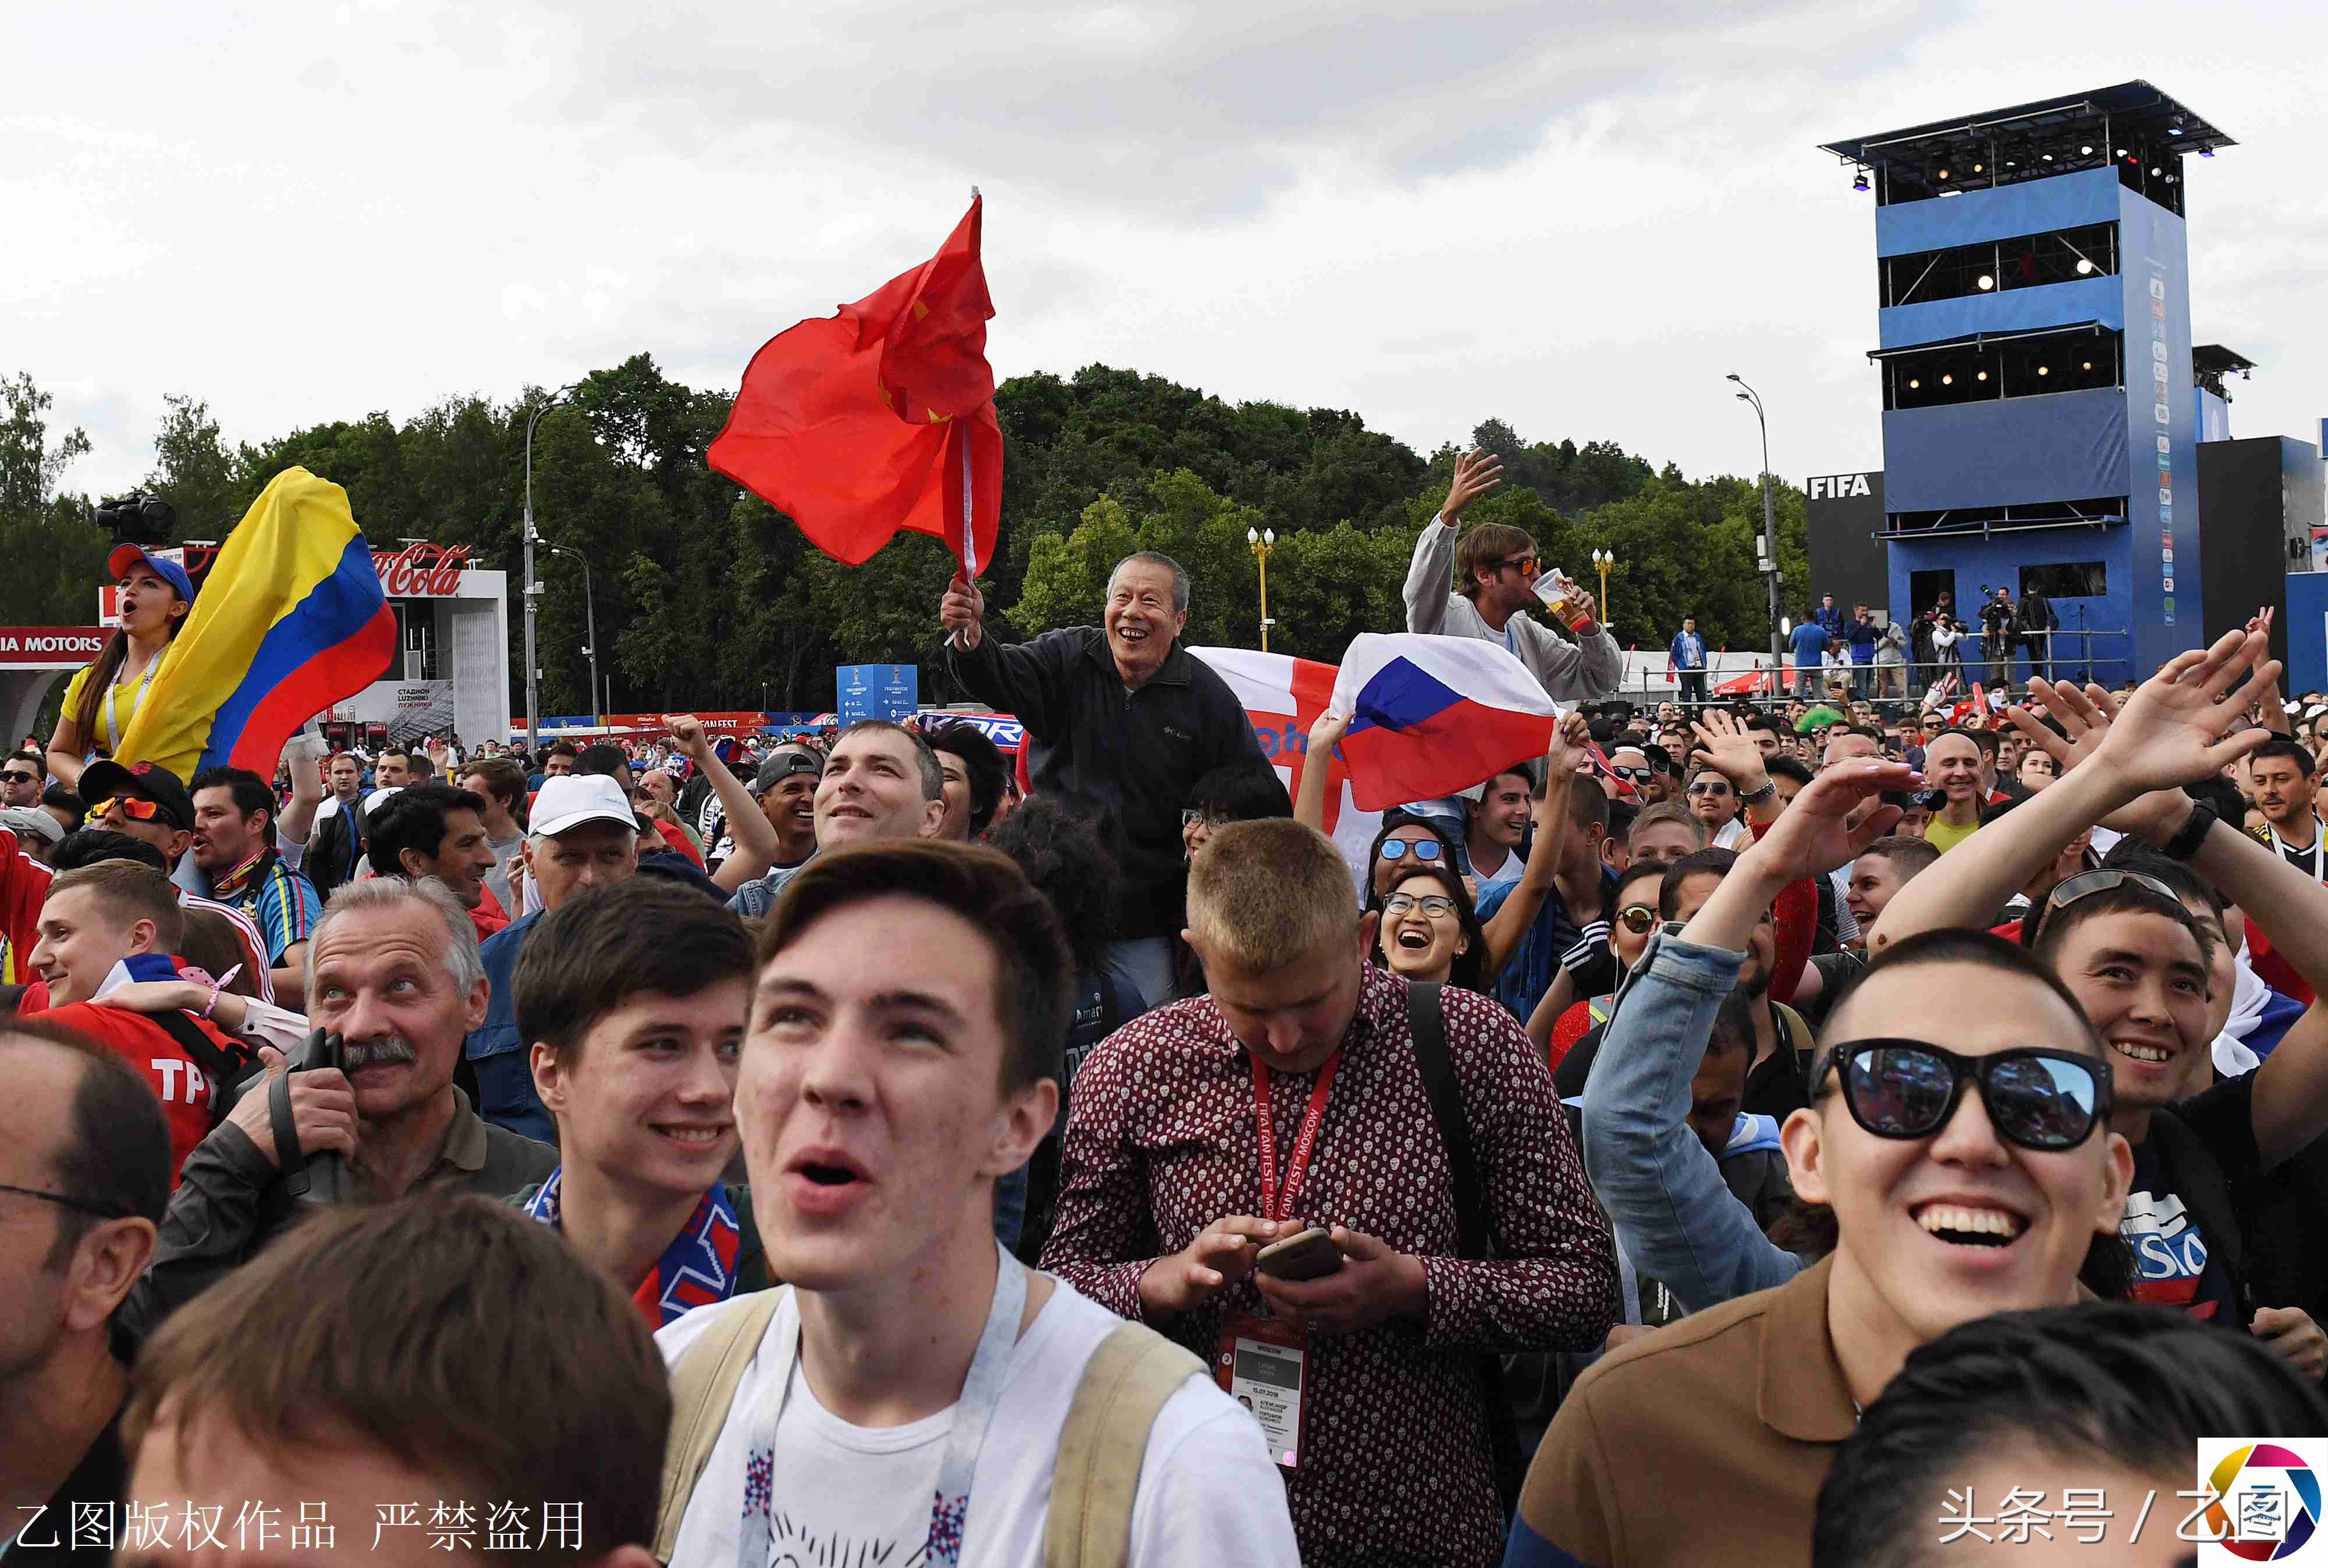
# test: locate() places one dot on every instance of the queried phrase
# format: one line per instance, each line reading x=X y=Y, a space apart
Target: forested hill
x=708 y=597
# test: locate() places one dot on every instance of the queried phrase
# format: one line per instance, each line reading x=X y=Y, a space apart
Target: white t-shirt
x=1506 y=874
x=1208 y=1492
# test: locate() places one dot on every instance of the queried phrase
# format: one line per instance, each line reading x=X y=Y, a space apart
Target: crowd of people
x=1797 y=1134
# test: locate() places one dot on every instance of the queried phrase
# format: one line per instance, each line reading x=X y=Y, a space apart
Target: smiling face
x=1939 y=1230
x=1501 y=817
x=873 y=1119
x=647 y=1098
x=790 y=806
x=2144 y=983
x=148 y=602
x=1952 y=765
x=79 y=943
x=1142 y=618
x=382 y=984
x=1874 y=879
x=1421 y=936
x=462 y=860
x=872 y=789
x=954 y=826
x=1388 y=861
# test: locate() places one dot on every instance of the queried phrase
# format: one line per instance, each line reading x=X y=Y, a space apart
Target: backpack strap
x=1124 y=1386
x=703 y=1383
x=1428 y=1024
x=224 y=1065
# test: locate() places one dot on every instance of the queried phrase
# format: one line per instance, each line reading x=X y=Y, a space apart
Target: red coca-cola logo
x=421 y=570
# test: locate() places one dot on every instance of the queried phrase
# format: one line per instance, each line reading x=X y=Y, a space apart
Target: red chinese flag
x=880 y=416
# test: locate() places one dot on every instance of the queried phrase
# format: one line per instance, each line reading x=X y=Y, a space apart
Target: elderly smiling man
x=1123 y=722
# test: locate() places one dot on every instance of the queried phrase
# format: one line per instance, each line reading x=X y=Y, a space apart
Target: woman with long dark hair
x=104 y=694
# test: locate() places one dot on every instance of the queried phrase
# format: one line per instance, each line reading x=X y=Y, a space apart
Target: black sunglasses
x=2036 y=1096
x=13 y=776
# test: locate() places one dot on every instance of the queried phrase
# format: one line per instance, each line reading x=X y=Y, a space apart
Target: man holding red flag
x=880 y=416
x=1122 y=721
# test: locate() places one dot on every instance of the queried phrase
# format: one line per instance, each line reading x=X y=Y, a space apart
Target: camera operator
x=393 y=974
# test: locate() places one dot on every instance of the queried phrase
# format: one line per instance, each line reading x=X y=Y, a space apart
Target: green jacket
x=751 y=1255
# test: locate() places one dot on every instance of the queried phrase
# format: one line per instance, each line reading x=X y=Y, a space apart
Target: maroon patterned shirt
x=1396 y=1462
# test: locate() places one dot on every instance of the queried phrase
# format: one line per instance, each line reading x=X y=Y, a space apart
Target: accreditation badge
x=1262 y=1364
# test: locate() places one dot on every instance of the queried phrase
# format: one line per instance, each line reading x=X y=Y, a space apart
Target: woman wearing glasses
x=1428 y=930
x=1965 y=1177
x=103 y=695
x=1560 y=1019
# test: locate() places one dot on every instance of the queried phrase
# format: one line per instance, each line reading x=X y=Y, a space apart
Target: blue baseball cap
x=125 y=558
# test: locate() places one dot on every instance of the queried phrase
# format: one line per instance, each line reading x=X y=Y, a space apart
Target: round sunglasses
x=2036 y=1096
x=1396 y=849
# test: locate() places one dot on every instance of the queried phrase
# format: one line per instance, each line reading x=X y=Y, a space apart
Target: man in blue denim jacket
x=1674 y=1214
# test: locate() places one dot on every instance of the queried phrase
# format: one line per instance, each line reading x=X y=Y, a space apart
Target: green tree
x=54 y=549
x=194 y=472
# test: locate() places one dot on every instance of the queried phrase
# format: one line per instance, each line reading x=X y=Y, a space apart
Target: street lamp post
x=1767 y=547
x=1606 y=560
x=532 y=589
x=590 y=625
x=1261 y=542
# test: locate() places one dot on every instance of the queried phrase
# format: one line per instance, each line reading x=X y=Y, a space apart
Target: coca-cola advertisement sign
x=421 y=571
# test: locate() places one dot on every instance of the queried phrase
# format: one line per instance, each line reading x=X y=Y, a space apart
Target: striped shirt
x=283 y=904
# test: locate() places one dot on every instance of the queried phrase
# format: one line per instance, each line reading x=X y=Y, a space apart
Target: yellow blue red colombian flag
x=290 y=620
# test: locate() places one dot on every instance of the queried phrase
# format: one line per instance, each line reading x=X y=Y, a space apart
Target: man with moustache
x=394 y=973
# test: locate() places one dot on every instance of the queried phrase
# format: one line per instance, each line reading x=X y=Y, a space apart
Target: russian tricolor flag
x=1282 y=697
x=1433 y=716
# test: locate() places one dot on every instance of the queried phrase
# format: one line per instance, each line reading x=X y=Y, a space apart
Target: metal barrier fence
x=2079 y=654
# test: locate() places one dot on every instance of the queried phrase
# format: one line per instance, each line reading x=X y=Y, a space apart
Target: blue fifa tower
x=2033 y=328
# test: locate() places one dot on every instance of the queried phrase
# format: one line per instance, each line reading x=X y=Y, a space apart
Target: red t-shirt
x=189 y=1099
x=679 y=840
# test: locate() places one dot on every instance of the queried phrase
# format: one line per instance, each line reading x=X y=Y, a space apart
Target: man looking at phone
x=1293 y=1097
x=394 y=973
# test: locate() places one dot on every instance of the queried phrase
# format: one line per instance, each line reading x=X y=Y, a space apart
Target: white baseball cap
x=569 y=799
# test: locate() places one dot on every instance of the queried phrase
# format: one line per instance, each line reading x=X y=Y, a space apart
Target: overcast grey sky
x=1576 y=217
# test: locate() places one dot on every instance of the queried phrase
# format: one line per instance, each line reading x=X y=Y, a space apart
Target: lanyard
x=112 y=723
x=1276 y=1203
x=981 y=1390
x=2319 y=842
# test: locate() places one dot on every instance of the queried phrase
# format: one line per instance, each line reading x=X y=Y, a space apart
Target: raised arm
x=1021 y=681
x=2291 y=1088
x=1571 y=749
x=300 y=755
x=755 y=838
x=1429 y=576
x=1674 y=1214
x=2170 y=734
x=1309 y=799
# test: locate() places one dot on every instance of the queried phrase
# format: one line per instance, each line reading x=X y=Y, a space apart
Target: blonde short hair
x=1268 y=893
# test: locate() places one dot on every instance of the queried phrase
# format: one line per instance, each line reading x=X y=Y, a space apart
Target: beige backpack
x=1124 y=1386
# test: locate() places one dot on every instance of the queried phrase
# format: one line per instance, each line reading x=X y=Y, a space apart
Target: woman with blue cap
x=155 y=594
